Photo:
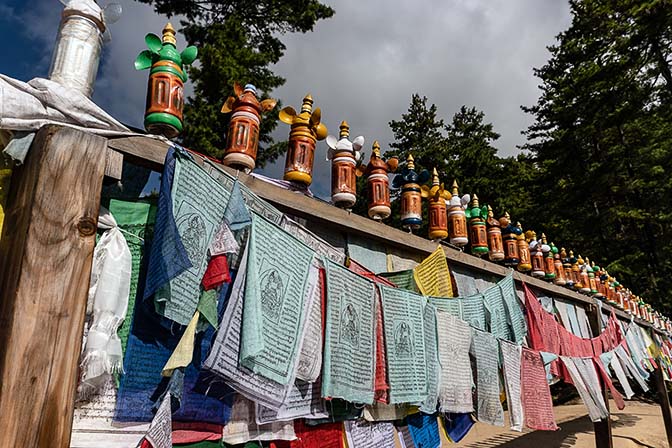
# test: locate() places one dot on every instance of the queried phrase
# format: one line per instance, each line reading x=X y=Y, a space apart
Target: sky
x=362 y=65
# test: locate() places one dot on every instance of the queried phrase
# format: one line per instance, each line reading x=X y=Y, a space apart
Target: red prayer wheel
x=242 y=140
x=377 y=183
x=344 y=156
x=477 y=228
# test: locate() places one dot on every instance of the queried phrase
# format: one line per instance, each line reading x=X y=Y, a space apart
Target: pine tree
x=602 y=137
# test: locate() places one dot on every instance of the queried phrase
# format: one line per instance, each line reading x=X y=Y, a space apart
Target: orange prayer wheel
x=457 y=219
x=306 y=129
x=242 y=140
x=438 y=216
x=525 y=264
x=495 y=242
x=560 y=277
x=377 y=184
x=509 y=239
x=344 y=156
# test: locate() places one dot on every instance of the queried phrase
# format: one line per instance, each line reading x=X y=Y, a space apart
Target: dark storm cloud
x=364 y=64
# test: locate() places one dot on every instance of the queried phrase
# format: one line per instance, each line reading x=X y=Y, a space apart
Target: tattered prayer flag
x=424 y=430
x=184 y=351
x=537 y=402
x=457 y=426
x=433 y=276
x=159 y=433
x=168 y=257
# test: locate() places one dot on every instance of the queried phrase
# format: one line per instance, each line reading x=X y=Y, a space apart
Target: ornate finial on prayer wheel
x=525 y=264
x=560 y=278
x=436 y=196
x=536 y=254
x=377 y=184
x=509 y=235
x=306 y=129
x=242 y=140
x=411 y=197
x=457 y=219
x=345 y=156
x=477 y=214
x=495 y=242
x=165 y=91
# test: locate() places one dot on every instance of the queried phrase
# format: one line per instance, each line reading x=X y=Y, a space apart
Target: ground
x=639 y=425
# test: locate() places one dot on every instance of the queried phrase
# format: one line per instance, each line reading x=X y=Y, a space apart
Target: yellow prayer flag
x=432 y=275
x=184 y=352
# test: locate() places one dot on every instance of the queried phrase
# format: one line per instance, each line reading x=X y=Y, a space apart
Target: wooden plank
x=664 y=401
x=114 y=163
x=45 y=265
x=144 y=151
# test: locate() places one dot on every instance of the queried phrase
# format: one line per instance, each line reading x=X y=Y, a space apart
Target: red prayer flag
x=536 y=395
x=328 y=435
x=217 y=272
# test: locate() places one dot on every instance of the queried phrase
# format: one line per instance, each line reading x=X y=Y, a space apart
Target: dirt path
x=639 y=425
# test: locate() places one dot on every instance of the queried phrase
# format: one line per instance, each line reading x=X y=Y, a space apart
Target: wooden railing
x=45 y=264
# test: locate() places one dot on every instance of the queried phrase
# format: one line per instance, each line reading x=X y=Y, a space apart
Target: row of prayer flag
x=304 y=337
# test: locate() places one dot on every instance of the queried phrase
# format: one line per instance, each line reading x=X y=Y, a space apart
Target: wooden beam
x=45 y=265
x=151 y=152
x=664 y=400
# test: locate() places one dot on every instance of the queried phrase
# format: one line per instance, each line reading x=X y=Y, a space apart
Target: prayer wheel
x=436 y=196
x=600 y=278
x=478 y=234
x=525 y=263
x=495 y=242
x=242 y=140
x=549 y=259
x=165 y=91
x=305 y=130
x=345 y=156
x=377 y=183
x=560 y=278
x=411 y=194
x=584 y=284
x=536 y=255
x=590 y=269
x=567 y=267
x=457 y=219
x=509 y=232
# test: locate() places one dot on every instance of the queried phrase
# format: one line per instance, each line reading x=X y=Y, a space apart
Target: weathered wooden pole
x=603 y=438
x=664 y=401
x=45 y=264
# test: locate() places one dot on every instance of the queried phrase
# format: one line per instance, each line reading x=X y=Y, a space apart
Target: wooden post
x=664 y=400
x=603 y=437
x=45 y=265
